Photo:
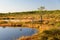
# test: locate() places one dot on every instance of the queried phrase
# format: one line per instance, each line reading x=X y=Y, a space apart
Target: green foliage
x=53 y=34
x=57 y=24
x=30 y=12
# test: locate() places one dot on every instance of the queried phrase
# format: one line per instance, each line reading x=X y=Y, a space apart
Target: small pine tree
x=41 y=10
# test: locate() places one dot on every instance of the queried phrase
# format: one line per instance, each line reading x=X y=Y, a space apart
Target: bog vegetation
x=49 y=26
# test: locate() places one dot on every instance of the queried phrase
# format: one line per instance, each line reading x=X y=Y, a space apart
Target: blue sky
x=27 y=5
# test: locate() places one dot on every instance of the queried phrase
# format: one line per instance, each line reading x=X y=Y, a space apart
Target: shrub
x=50 y=35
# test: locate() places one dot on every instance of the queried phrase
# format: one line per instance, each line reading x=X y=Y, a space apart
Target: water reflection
x=11 y=33
x=4 y=26
x=21 y=29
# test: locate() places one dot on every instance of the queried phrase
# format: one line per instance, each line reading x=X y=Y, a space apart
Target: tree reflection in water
x=21 y=29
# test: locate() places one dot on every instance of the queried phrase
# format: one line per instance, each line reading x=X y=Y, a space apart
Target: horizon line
x=28 y=11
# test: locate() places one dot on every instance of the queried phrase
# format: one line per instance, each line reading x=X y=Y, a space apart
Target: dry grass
x=50 y=21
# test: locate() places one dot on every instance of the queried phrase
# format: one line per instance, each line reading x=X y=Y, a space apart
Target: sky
x=28 y=5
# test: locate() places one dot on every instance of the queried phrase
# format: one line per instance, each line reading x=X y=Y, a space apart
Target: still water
x=11 y=33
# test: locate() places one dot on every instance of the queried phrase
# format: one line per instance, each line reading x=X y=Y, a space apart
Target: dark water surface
x=11 y=33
